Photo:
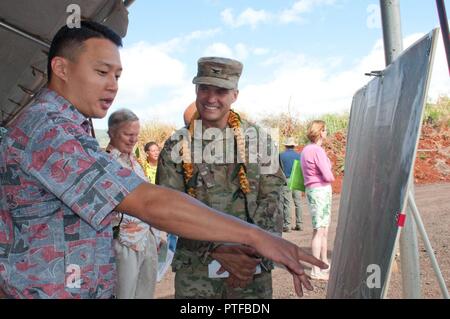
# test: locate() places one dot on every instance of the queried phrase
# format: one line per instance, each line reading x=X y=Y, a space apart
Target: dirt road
x=433 y=202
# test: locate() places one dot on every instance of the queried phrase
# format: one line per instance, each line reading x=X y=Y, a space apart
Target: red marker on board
x=401 y=220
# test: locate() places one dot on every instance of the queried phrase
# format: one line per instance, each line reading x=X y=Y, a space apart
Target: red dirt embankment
x=432 y=163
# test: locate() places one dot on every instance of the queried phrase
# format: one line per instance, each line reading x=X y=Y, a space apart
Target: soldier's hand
x=233 y=282
x=238 y=260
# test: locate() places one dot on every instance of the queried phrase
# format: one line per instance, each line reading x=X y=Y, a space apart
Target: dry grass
x=154 y=131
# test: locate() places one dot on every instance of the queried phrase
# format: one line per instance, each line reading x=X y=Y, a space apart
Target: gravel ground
x=434 y=206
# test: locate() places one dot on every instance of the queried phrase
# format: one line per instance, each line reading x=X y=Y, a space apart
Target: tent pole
x=444 y=28
x=24 y=34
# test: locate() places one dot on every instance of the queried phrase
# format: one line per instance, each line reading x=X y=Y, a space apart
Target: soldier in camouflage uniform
x=217 y=182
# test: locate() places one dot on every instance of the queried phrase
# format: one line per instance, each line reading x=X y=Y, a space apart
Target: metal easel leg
x=409 y=257
x=421 y=228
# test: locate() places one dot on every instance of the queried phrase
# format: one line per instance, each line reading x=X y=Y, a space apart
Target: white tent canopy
x=26 y=30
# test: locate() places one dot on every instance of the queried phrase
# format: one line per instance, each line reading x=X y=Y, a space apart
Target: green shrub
x=438 y=113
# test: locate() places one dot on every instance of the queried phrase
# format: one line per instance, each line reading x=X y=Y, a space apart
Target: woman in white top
x=134 y=242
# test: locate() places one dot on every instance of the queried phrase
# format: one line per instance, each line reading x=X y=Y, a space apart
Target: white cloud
x=310 y=86
x=153 y=84
x=301 y=7
x=146 y=67
x=240 y=51
x=315 y=87
x=253 y=18
x=227 y=17
x=180 y=43
x=440 y=79
x=219 y=49
x=249 y=17
x=156 y=86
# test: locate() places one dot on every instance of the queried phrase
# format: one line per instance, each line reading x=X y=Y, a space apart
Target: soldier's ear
x=235 y=95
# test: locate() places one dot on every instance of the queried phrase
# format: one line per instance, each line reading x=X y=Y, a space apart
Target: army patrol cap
x=220 y=72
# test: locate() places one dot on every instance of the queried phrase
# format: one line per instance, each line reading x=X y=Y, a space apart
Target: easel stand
x=418 y=221
x=393 y=46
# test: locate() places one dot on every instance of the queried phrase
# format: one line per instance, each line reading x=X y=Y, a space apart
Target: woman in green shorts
x=316 y=167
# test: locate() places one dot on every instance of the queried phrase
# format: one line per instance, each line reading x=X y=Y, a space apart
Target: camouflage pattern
x=220 y=72
x=191 y=283
x=223 y=194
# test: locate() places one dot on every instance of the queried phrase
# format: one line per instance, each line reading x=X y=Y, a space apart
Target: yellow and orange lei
x=188 y=168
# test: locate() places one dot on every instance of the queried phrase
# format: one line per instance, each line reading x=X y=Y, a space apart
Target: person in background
x=150 y=164
x=289 y=197
x=318 y=177
x=189 y=113
x=134 y=243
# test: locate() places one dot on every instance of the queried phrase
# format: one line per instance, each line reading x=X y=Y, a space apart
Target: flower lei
x=188 y=168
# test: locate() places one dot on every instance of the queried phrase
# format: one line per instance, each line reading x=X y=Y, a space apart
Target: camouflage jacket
x=216 y=183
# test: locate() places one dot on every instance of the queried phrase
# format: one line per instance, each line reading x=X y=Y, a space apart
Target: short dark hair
x=148 y=145
x=67 y=42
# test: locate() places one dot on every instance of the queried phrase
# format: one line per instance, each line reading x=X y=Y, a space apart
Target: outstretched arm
x=176 y=212
x=183 y=215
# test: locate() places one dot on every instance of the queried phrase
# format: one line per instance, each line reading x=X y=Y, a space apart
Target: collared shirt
x=57 y=191
x=287 y=158
x=133 y=231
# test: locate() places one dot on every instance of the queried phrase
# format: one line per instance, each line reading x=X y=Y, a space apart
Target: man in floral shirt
x=58 y=188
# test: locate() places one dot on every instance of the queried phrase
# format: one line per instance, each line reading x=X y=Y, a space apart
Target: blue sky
x=310 y=55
